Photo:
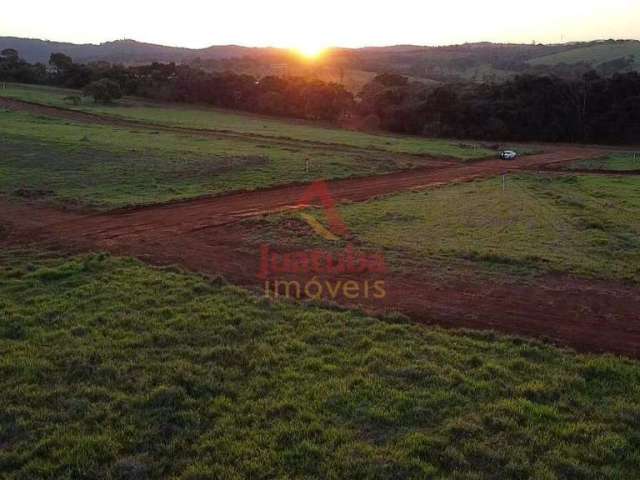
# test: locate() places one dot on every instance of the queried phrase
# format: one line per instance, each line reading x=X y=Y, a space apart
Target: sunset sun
x=311 y=50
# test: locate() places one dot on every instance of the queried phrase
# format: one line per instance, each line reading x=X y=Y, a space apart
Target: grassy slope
x=110 y=369
x=194 y=117
x=615 y=163
x=104 y=167
x=585 y=225
x=594 y=55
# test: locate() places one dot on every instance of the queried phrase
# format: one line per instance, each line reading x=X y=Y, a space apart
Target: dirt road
x=186 y=217
x=205 y=235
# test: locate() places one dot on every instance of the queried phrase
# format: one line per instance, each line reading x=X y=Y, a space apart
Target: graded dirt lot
x=206 y=235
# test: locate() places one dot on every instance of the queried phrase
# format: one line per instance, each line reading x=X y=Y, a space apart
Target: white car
x=508 y=155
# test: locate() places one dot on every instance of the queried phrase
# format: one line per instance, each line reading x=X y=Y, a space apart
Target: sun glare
x=311 y=51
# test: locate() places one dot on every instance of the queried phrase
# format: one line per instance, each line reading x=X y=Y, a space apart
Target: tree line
x=530 y=107
x=592 y=109
x=286 y=96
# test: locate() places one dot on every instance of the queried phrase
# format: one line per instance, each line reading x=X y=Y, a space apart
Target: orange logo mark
x=320 y=191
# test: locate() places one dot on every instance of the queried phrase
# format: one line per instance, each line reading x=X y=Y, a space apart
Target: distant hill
x=479 y=62
x=119 y=51
x=594 y=54
x=484 y=62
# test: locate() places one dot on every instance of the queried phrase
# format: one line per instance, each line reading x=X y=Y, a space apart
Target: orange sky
x=312 y=25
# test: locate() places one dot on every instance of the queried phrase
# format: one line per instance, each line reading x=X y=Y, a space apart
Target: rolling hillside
x=593 y=54
x=119 y=51
x=476 y=62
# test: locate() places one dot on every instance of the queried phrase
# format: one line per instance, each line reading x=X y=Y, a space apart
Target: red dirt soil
x=205 y=235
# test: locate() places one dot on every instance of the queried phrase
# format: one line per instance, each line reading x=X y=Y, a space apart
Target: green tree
x=103 y=91
x=60 y=61
x=9 y=55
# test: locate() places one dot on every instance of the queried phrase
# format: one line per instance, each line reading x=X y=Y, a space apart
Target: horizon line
x=336 y=47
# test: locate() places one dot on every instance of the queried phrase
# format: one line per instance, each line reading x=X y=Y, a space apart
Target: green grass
x=584 y=225
x=593 y=55
x=616 y=163
x=246 y=124
x=111 y=369
x=104 y=167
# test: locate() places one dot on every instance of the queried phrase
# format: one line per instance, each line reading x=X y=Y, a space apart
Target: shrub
x=103 y=91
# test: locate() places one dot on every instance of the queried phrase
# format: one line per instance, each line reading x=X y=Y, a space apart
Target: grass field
x=616 y=163
x=111 y=369
x=585 y=225
x=593 y=55
x=104 y=167
x=246 y=124
x=577 y=224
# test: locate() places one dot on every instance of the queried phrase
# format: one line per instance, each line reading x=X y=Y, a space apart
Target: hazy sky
x=309 y=24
